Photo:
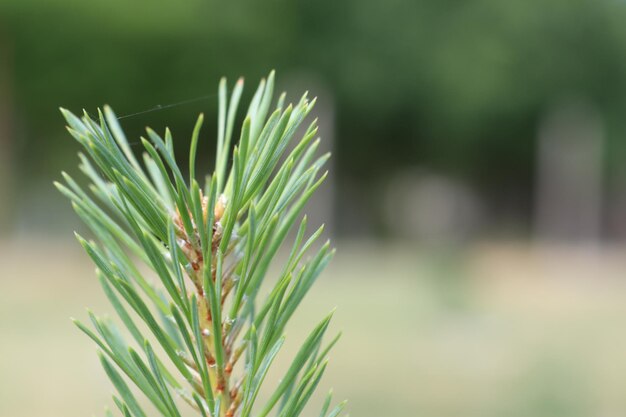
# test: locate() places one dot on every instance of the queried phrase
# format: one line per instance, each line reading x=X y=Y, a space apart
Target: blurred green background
x=477 y=193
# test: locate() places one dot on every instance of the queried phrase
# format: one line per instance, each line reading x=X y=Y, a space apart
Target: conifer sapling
x=182 y=261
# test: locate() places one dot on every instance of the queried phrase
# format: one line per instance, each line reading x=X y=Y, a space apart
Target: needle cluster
x=182 y=261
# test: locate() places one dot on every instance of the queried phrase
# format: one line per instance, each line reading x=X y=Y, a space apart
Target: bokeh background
x=477 y=194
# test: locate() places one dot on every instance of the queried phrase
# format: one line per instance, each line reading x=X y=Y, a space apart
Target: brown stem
x=190 y=246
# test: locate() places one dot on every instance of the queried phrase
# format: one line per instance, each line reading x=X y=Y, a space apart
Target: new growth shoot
x=207 y=246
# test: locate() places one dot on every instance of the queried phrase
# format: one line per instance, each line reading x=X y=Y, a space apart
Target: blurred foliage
x=452 y=85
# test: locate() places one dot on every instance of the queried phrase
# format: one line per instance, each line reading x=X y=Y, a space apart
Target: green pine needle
x=209 y=248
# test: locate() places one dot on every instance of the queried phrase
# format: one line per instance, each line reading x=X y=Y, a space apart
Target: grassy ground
x=492 y=330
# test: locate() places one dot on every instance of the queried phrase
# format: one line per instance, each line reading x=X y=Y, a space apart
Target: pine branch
x=209 y=247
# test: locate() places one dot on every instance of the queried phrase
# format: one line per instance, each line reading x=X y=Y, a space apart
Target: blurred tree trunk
x=569 y=177
x=6 y=134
